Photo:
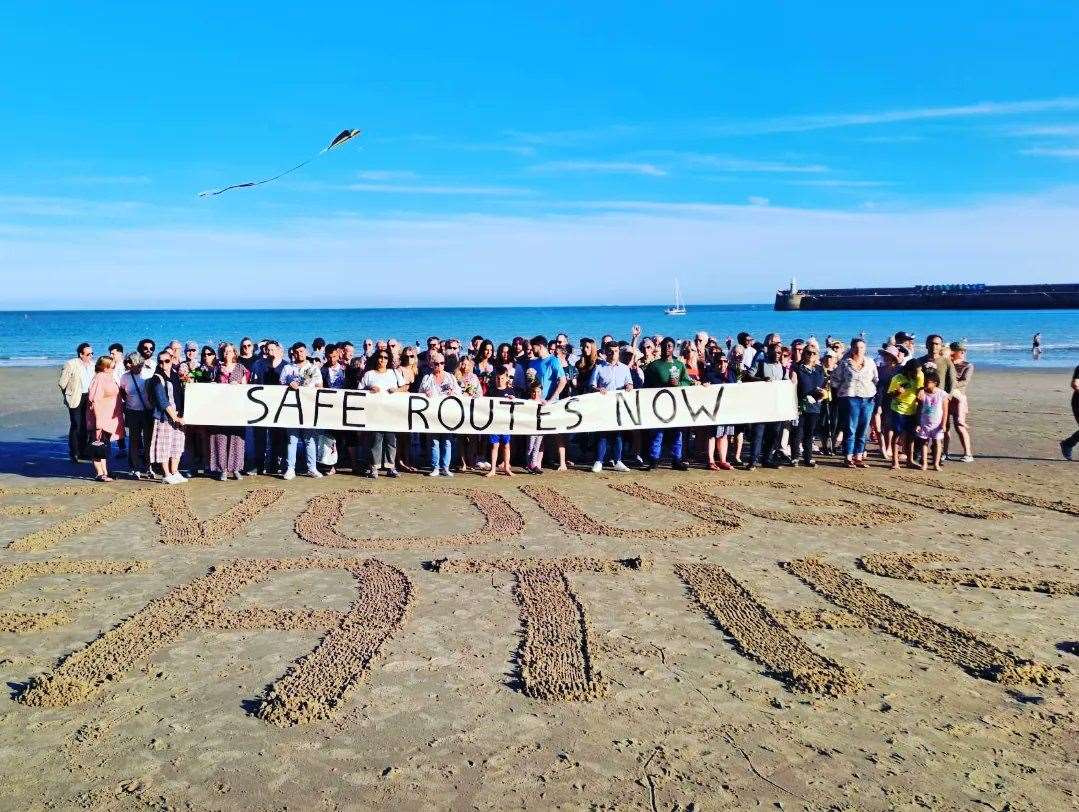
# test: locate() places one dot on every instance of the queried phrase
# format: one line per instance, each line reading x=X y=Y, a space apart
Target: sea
x=995 y=338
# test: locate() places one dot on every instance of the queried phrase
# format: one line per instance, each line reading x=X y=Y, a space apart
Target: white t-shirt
x=387 y=381
x=133 y=387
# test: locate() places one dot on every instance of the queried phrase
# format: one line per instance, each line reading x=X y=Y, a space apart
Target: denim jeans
x=307 y=437
x=612 y=440
x=859 y=412
x=440 y=448
x=659 y=437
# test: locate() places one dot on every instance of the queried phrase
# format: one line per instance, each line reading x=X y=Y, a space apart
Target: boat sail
x=679 y=307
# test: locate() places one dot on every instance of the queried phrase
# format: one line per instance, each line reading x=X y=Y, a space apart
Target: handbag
x=327 y=449
x=98 y=450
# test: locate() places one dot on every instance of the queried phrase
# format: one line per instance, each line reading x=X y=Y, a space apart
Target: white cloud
x=604 y=251
x=601 y=167
x=386 y=174
x=1045 y=130
x=834 y=120
x=840 y=183
x=757 y=200
x=109 y=180
x=727 y=164
x=415 y=189
x=1052 y=152
x=37 y=206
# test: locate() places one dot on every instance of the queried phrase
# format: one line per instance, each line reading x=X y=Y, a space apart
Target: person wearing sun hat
x=958 y=408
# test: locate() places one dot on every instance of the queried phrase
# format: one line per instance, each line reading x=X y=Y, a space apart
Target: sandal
x=713 y=467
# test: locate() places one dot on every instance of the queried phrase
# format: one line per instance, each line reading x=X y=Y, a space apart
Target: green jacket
x=658 y=373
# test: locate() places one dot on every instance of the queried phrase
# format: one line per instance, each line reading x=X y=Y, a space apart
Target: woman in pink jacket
x=104 y=415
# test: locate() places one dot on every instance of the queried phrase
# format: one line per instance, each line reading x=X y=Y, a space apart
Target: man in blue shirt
x=549 y=372
x=608 y=376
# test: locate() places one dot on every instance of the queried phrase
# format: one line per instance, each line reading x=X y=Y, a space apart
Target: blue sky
x=533 y=153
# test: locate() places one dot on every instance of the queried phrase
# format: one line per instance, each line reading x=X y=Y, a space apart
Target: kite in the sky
x=339 y=139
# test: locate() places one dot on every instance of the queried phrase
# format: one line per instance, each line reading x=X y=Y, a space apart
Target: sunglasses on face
x=191 y=350
x=207 y=354
x=438 y=363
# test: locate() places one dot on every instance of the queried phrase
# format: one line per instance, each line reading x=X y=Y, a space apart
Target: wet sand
x=794 y=639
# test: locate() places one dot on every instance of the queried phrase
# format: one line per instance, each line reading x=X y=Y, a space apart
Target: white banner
x=208 y=404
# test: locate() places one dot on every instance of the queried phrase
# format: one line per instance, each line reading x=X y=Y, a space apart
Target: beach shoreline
x=672 y=580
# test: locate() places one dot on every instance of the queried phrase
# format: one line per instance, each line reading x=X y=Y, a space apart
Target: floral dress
x=227 y=442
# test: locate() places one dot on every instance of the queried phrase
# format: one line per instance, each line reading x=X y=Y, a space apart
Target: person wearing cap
x=904 y=344
x=138 y=414
x=887 y=367
x=957 y=409
x=301 y=373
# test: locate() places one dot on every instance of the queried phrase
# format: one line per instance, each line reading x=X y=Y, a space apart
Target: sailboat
x=679 y=307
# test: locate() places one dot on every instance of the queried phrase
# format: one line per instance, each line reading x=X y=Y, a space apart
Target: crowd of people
x=905 y=402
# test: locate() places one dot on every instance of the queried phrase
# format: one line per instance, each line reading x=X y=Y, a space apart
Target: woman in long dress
x=227 y=442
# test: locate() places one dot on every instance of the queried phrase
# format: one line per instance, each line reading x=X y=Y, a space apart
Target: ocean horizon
x=996 y=338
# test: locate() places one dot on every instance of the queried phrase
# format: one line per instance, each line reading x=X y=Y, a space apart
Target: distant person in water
x=1036 y=346
x=1067 y=445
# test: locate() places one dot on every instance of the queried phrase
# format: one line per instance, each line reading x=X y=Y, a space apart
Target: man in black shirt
x=1067 y=445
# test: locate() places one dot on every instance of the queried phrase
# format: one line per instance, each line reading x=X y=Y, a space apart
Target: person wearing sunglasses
x=74 y=383
x=808 y=377
x=408 y=367
x=381 y=378
x=438 y=383
x=168 y=439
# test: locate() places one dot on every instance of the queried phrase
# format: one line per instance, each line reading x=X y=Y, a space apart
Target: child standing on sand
x=904 y=408
x=500 y=387
x=932 y=420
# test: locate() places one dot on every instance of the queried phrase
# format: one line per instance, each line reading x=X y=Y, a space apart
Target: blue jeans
x=859 y=413
x=612 y=439
x=295 y=437
x=440 y=447
x=673 y=436
x=764 y=439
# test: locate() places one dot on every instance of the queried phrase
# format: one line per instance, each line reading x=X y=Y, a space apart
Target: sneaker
x=447 y=472
x=392 y=473
x=1065 y=450
x=620 y=467
x=679 y=465
x=810 y=464
x=238 y=476
x=315 y=474
x=136 y=475
x=597 y=467
x=222 y=476
x=373 y=473
x=967 y=458
x=435 y=472
x=168 y=480
x=289 y=474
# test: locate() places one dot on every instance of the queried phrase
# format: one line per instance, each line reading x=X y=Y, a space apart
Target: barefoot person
x=959 y=406
x=932 y=419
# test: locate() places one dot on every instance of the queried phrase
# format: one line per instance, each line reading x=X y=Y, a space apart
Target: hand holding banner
x=350 y=409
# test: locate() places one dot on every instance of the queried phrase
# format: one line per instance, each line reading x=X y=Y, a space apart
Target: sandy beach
x=795 y=639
